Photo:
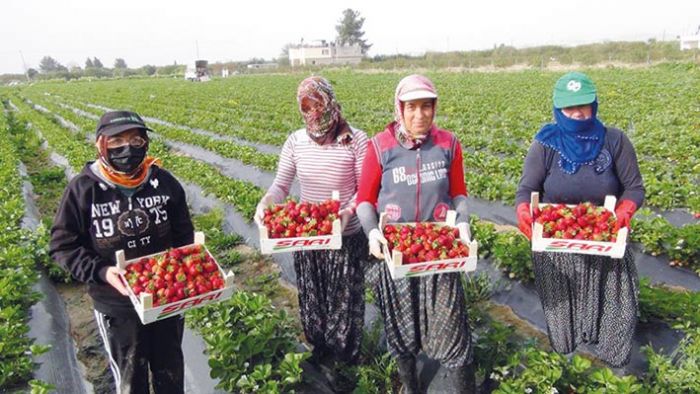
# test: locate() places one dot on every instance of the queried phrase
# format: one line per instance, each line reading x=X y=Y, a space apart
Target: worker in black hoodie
x=124 y=200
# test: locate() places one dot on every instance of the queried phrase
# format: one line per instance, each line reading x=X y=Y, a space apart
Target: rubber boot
x=461 y=380
x=408 y=374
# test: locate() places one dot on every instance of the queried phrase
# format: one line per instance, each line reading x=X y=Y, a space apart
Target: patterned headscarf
x=411 y=83
x=324 y=122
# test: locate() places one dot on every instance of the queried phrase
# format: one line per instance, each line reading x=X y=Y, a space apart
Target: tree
x=349 y=30
x=119 y=63
x=283 y=58
x=147 y=70
x=97 y=63
x=31 y=73
x=48 y=64
x=88 y=63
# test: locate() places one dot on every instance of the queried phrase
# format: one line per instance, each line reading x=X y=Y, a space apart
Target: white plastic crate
x=559 y=245
x=333 y=241
x=143 y=304
x=398 y=270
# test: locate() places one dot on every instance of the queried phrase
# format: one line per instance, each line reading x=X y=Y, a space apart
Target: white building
x=322 y=53
x=690 y=42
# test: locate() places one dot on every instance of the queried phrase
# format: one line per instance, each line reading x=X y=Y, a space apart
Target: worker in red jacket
x=413 y=171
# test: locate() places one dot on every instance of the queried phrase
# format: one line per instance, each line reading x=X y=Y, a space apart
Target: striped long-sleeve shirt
x=322 y=169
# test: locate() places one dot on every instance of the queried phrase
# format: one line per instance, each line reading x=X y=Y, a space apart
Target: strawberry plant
x=678 y=372
x=536 y=371
x=48 y=183
x=262 y=109
x=251 y=345
x=670 y=305
x=17 y=273
x=511 y=253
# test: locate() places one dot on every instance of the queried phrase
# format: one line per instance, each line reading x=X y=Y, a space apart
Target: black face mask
x=126 y=158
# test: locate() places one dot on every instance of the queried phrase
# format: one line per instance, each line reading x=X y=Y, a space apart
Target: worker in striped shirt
x=324 y=156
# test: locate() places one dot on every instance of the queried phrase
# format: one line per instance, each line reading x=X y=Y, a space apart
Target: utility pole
x=24 y=65
x=196 y=44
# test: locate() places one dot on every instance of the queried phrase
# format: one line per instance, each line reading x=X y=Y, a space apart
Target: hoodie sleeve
x=70 y=246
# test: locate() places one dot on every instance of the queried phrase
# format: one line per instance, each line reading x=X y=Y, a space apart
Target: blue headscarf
x=578 y=141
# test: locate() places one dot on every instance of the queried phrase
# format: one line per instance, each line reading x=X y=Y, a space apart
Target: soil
x=254 y=266
x=89 y=347
x=505 y=314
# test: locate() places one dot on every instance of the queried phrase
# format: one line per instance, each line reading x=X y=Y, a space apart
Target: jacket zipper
x=418 y=165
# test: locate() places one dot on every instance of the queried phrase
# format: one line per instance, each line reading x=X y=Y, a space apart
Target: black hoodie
x=95 y=219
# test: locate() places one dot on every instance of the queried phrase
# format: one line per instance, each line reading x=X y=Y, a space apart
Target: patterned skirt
x=331 y=297
x=589 y=299
x=427 y=313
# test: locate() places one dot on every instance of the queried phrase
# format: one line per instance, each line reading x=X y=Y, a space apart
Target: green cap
x=573 y=89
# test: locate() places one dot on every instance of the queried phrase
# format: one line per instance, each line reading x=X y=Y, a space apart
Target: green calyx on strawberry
x=302 y=219
x=583 y=221
x=169 y=274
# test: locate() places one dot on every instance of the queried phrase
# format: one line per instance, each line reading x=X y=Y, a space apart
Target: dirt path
x=89 y=348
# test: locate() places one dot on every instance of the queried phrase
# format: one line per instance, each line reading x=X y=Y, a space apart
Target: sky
x=161 y=32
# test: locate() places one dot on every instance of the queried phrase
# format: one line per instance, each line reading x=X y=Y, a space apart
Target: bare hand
x=345 y=216
x=264 y=203
x=376 y=240
x=111 y=276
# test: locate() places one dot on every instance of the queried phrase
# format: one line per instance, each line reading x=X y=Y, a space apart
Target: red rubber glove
x=524 y=219
x=624 y=211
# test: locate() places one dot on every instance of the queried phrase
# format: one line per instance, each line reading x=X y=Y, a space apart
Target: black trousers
x=134 y=348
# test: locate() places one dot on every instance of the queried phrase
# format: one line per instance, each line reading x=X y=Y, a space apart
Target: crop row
x=76 y=148
x=508 y=250
x=495 y=116
x=18 y=252
x=657 y=235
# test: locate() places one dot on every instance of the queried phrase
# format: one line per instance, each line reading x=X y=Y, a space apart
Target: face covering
x=126 y=158
x=318 y=124
x=324 y=122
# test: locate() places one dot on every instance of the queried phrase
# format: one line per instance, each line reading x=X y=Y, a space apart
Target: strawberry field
x=222 y=140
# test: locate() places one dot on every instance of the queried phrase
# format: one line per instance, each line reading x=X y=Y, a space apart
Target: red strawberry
x=584 y=221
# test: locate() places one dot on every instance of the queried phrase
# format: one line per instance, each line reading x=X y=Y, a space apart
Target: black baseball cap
x=115 y=122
